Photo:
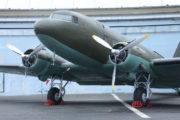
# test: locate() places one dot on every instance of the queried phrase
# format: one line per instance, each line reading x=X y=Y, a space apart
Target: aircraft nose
x=42 y=26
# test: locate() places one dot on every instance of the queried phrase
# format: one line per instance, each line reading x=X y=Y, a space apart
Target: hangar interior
x=162 y=23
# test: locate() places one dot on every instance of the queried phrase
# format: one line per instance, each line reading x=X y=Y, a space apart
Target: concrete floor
x=87 y=107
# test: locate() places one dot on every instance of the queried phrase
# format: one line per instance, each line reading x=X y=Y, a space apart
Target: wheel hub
x=56 y=96
x=144 y=98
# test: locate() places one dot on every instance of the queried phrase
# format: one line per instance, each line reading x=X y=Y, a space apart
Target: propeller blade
x=114 y=75
x=135 y=42
x=14 y=49
x=101 y=41
x=25 y=72
x=37 y=49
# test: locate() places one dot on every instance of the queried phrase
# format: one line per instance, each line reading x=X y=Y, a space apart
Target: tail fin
x=177 y=52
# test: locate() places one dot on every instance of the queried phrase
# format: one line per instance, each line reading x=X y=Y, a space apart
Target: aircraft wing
x=78 y=74
x=15 y=69
x=169 y=67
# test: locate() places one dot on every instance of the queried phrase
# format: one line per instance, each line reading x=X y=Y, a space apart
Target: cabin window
x=62 y=17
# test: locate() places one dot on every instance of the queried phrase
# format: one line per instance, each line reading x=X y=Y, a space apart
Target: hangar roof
x=92 y=12
x=68 y=4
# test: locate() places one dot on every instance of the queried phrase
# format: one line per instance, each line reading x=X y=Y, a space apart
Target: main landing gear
x=177 y=91
x=57 y=91
x=142 y=90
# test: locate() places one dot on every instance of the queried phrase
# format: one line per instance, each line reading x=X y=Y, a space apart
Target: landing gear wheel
x=178 y=93
x=53 y=95
x=140 y=95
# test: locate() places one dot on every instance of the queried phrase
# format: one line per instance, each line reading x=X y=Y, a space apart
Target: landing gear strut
x=142 y=91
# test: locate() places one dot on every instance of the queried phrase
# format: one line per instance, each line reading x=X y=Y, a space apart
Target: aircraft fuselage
x=69 y=35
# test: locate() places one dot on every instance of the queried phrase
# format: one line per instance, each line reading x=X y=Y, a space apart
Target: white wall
x=37 y=4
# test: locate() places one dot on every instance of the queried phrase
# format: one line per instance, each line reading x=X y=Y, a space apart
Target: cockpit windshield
x=64 y=17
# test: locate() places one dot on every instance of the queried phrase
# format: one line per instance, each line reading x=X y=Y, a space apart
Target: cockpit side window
x=75 y=19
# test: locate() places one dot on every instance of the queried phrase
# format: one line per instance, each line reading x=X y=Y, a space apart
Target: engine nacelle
x=40 y=62
x=122 y=56
x=40 y=66
x=128 y=60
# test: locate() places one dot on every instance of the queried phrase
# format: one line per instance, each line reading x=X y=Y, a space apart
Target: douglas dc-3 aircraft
x=94 y=54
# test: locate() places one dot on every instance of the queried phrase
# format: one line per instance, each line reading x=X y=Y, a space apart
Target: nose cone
x=50 y=27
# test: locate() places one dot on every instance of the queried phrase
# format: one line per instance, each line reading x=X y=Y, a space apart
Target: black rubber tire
x=51 y=95
x=138 y=94
x=178 y=93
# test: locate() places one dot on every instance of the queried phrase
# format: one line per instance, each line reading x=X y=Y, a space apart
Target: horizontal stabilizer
x=177 y=52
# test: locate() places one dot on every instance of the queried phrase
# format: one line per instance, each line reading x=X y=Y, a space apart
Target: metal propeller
x=114 y=75
x=16 y=50
x=37 y=49
x=116 y=52
x=23 y=56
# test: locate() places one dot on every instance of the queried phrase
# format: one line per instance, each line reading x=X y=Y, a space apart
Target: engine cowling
x=39 y=63
x=28 y=62
x=34 y=63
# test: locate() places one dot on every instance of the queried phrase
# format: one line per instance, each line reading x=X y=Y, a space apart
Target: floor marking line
x=136 y=111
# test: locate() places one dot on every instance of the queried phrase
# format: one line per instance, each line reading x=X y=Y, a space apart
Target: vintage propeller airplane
x=94 y=54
